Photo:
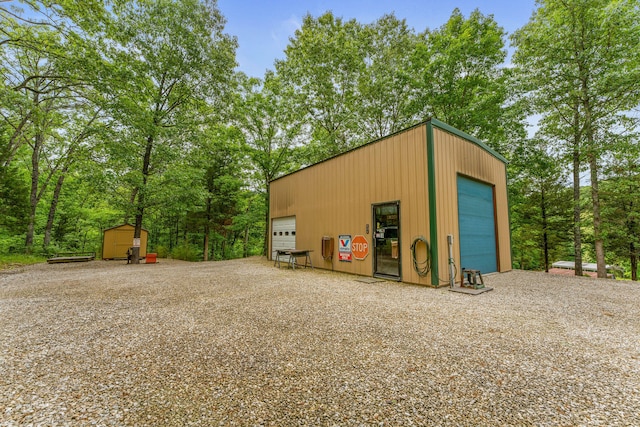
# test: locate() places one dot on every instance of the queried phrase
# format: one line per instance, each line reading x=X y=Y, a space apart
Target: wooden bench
x=72 y=257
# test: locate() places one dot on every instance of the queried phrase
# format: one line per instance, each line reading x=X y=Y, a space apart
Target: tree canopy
x=134 y=111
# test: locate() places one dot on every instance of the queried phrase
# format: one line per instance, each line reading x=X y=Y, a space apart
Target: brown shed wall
x=118 y=239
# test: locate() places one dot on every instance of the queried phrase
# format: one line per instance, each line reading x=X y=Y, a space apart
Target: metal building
x=396 y=207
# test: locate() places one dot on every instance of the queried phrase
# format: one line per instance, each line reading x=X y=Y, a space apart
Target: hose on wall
x=421 y=267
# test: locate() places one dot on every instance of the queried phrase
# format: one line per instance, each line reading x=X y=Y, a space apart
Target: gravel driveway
x=243 y=343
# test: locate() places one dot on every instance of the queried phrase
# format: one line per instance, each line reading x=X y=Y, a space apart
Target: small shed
x=117 y=240
x=396 y=207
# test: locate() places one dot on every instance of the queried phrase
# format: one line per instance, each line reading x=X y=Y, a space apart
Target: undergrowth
x=8 y=262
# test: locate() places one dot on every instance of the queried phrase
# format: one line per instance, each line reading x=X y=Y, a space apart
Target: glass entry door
x=386 y=219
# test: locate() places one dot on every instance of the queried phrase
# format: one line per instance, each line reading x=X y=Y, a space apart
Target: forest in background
x=133 y=111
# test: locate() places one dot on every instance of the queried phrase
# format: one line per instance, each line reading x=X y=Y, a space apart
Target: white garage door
x=283 y=234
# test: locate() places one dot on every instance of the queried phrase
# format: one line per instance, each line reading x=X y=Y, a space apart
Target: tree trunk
x=137 y=231
x=633 y=259
x=577 y=233
x=53 y=207
x=176 y=235
x=265 y=246
x=545 y=235
x=245 y=243
x=205 y=249
x=223 y=246
x=132 y=200
x=595 y=193
x=207 y=231
x=15 y=142
x=597 y=219
x=33 y=196
x=592 y=152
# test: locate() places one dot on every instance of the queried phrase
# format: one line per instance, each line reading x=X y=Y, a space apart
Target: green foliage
x=162 y=251
x=271 y=126
x=323 y=61
x=541 y=208
x=11 y=244
x=385 y=82
x=579 y=64
x=8 y=262
x=621 y=209
x=461 y=79
x=133 y=113
x=171 y=69
x=186 y=252
x=14 y=202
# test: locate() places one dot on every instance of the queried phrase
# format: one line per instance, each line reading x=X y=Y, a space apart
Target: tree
x=581 y=59
x=44 y=51
x=218 y=159
x=621 y=205
x=541 y=206
x=250 y=222
x=14 y=201
x=44 y=61
x=39 y=120
x=384 y=83
x=76 y=144
x=168 y=58
x=461 y=79
x=320 y=73
x=270 y=127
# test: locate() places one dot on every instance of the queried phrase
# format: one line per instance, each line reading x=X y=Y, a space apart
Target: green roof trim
x=437 y=123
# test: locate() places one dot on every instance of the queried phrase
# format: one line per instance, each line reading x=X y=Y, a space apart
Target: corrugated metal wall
x=453 y=156
x=335 y=197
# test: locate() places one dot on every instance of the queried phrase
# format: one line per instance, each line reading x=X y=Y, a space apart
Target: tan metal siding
x=453 y=156
x=117 y=240
x=335 y=197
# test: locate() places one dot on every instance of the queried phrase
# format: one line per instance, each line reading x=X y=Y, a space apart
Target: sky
x=263 y=27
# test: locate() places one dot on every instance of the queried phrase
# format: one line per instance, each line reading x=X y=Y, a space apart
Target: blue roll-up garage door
x=477 y=226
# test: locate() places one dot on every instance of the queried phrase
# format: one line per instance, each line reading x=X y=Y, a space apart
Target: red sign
x=360 y=247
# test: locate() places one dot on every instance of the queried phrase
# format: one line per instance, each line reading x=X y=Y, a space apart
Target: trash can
x=150 y=258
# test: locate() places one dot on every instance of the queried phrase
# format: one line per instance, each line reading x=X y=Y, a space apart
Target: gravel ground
x=244 y=343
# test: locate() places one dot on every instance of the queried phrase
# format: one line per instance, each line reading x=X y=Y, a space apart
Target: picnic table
x=293 y=255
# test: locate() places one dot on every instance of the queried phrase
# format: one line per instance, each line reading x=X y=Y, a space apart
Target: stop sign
x=360 y=247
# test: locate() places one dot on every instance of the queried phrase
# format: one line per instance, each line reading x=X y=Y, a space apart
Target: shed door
x=476 y=222
x=123 y=241
x=283 y=233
